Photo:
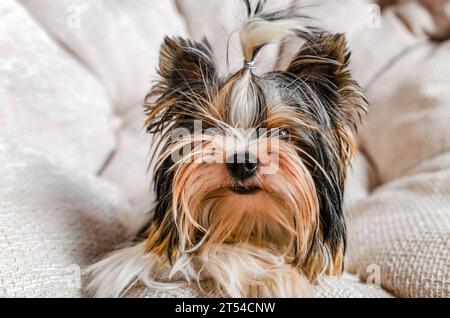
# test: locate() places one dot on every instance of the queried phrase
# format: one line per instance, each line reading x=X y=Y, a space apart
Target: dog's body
x=249 y=170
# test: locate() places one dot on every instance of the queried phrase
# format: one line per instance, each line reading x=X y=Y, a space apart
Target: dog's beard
x=281 y=214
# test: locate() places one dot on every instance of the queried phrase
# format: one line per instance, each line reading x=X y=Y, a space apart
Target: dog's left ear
x=322 y=63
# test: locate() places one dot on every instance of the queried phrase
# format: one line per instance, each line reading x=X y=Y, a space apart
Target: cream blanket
x=73 y=155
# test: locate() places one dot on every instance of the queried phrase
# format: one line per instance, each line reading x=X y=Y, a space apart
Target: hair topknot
x=265 y=25
x=268 y=25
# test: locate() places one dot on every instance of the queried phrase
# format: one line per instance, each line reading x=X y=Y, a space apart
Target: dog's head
x=254 y=159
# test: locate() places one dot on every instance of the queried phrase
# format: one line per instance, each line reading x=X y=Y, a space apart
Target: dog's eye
x=284 y=133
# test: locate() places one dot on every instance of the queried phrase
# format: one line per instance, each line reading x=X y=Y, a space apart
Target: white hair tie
x=248 y=64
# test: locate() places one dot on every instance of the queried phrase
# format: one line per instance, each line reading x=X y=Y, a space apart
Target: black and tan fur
x=291 y=229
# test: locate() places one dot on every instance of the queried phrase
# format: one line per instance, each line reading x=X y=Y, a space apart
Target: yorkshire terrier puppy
x=249 y=169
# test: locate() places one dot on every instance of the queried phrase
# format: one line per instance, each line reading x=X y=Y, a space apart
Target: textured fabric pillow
x=409 y=118
x=349 y=286
x=118 y=40
x=53 y=221
x=403 y=226
x=400 y=234
x=47 y=99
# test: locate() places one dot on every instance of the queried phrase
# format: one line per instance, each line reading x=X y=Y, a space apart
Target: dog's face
x=249 y=159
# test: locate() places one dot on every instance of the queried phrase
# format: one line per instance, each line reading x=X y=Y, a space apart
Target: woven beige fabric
x=402 y=231
x=349 y=286
x=52 y=221
x=403 y=226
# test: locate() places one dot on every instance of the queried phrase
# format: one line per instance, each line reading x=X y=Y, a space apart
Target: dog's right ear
x=183 y=62
x=187 y=71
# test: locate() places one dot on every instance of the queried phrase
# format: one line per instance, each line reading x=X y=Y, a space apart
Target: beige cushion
x=47 y=99
x=53 y=221
x=349 y=286
x=401 y=235
x=408 y=120
x=403 y=226
x=118 y=40
x=374 y=48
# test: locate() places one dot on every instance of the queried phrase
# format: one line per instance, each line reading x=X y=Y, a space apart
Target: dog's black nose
x=242 y=166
